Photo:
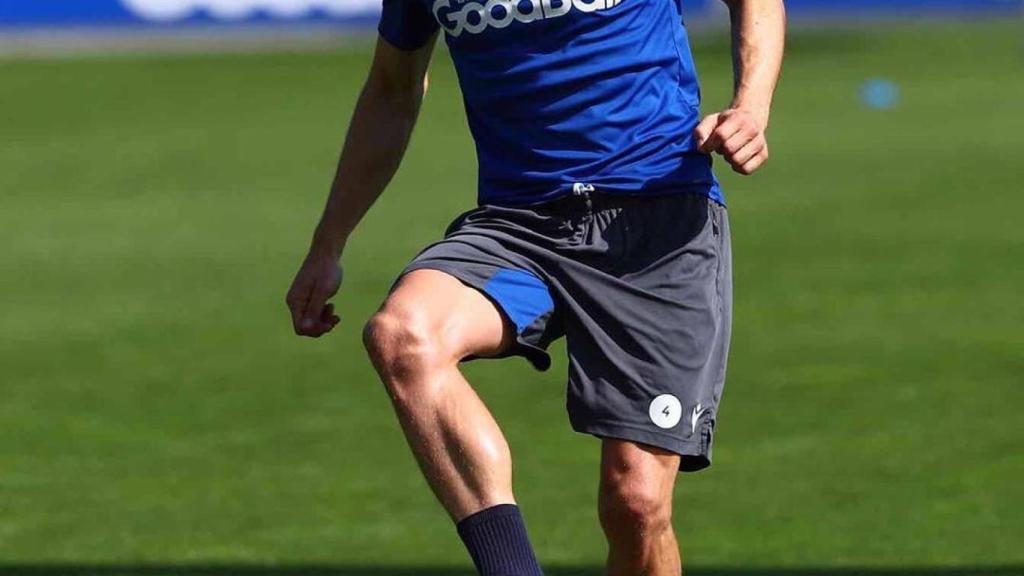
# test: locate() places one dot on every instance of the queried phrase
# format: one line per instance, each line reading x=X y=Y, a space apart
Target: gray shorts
x=641 y=288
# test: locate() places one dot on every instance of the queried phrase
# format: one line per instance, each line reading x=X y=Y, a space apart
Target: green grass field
x=157 y=413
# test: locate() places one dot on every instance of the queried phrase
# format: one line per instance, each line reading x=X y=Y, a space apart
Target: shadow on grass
x=345 y=570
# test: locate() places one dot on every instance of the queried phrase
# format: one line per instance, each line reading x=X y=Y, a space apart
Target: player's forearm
x=377 y=138
x=758 y=32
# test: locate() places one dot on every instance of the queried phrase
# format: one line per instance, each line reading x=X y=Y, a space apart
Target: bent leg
x=428 y=324
x=635 y=506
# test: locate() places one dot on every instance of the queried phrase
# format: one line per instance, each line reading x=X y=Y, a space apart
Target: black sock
x=497 y=541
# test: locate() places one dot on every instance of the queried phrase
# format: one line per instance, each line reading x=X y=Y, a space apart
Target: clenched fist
x=316 y=282
x=738 y=136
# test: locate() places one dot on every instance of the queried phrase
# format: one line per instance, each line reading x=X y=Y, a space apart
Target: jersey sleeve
x=406 y=24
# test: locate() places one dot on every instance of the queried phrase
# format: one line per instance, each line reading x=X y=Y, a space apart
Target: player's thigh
x=637 y=477
x=459 y=319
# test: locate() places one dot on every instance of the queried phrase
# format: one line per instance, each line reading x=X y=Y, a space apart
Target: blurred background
x=163 y=162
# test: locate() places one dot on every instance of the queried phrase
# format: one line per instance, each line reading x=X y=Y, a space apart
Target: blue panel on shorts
x=523 y=296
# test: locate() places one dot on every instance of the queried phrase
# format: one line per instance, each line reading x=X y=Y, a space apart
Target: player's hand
x=316 y=282
x=738 y=136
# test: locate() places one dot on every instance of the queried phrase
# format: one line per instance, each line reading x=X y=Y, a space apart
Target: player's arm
x=758 y=40
x=377 y=138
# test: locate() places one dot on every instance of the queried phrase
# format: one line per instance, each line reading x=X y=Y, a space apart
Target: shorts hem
x=695 y=454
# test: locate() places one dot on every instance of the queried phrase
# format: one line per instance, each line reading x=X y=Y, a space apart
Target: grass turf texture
x=155 y=408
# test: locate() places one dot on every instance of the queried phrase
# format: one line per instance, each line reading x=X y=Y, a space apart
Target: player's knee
x=632 y=508
x=401 y=343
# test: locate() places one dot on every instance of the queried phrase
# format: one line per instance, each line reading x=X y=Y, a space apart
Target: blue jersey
x=566 y=95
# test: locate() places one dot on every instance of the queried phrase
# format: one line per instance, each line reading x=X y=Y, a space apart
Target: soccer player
x=599 y=219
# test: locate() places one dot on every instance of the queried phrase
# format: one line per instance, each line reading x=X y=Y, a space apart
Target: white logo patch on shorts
x=666 y=411
x=695 y=417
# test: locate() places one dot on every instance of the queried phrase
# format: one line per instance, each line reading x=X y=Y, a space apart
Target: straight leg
x=635 y=507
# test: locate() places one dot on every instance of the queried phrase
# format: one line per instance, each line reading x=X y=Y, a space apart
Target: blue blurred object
x=880 y=94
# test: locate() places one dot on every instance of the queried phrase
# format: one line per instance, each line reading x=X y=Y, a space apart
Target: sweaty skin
x=416 y=342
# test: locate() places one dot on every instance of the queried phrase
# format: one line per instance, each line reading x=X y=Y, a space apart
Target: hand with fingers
x=738 y=136
x=317 y=282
